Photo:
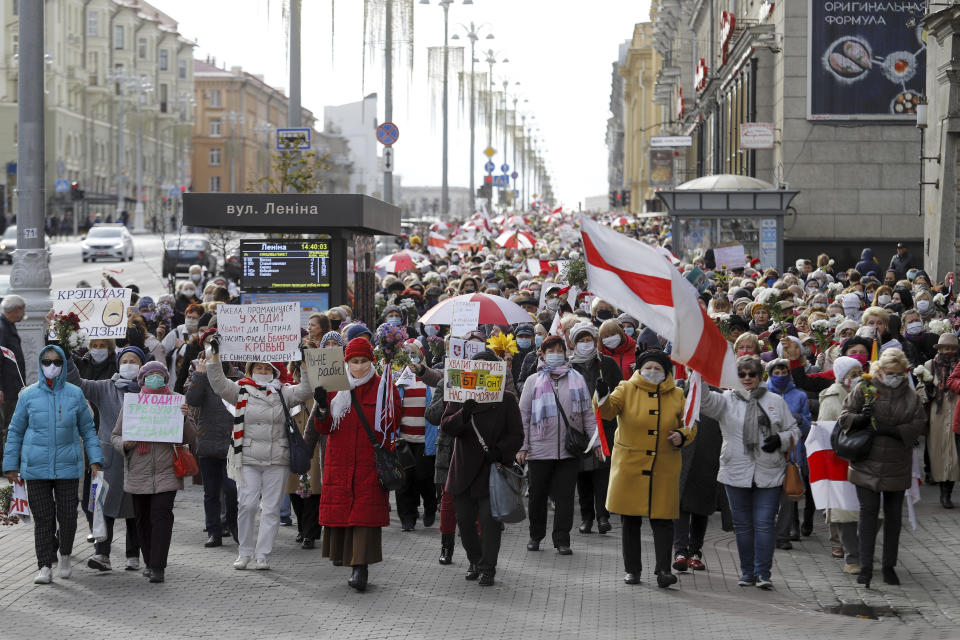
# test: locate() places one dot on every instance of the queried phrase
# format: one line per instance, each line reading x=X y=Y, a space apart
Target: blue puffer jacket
x=799 y=406
x=50 y=429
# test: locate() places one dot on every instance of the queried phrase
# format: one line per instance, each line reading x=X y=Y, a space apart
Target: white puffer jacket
x=264 y=430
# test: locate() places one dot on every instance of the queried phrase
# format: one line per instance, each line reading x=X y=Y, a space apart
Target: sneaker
x=132 y=564
x=747 y=581
x=261 y=564
x=764 y=583
x=44 y=577
x=241 y=562
x=851 y=567
x=64 y=566
x=286 y=521
x=680 y=562
x=99 y=562
x=695 y=562
x=786 y=545
x=91 y=539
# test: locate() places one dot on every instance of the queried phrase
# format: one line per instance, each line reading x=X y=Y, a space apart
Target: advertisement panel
x=865 y=63
x=661 y=168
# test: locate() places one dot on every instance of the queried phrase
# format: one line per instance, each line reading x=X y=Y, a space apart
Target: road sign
x=501 y=181
x=671 y=141
x=489 y=167
x=63 y=186
x=388 y=159
x=489 y=152
x=387 y=133
x=504 y=168
x=514 y=175
x=516 y=194
x=289 y=139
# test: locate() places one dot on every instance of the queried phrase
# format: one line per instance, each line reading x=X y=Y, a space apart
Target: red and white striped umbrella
x=517 y=240
x=552 y=219
x=516 y=221
x=405 y=260
x=621 y=221
x=493 y=310
x=498 y=220
x=441 y=226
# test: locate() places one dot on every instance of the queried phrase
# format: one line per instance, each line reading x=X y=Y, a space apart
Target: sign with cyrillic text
x=152 y=417
x=478 y=380
x=102 y=312
x=259 y=332
x=325 y=368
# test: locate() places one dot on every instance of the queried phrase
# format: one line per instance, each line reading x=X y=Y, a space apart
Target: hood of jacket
x=59 y=381
x=866 y=254
x=640 y=382
x=627 y=345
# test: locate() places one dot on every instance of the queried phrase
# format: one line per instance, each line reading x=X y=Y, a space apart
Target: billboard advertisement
x=865 y=62
x=661 y=168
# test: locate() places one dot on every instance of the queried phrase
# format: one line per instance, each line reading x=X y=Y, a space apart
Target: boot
x=946 y=491
x=358 y=580
x=446 y=548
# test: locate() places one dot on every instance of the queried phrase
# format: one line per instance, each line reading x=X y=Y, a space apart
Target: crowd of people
x=862 y=350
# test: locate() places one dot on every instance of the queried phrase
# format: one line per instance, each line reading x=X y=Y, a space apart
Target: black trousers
x=662 y=540
x=308 y=515
x=133 y=542
x=869 y=516
x=154 y=526
x=53 y=505
x=215 y=482
x=481 y=549
x=417 y=486
x=592 y=492
x=555 y=479
x=688 y=532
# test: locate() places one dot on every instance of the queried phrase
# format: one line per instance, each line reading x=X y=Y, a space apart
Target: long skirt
x=352 y=545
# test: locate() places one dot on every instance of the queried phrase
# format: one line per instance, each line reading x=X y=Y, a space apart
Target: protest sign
x=102 y=312
x=326 y=369
x=152 y=417
x=466 y=317
x=460 y=348
x=259 y=332
x=730 y=256
x=407 y=378
x=478 y=380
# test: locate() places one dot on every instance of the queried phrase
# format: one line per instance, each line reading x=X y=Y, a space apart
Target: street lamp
x=265 y=128
x=473 y=32
x=491 y=60
x=124 y=81
x=235 y=118
x=445 y=187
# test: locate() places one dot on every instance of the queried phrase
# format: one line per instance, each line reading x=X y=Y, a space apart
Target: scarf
x=577 y=358
x=756 y=424
x=340 y=405
x=545 y=402
x=942 y=368
x=235 y=453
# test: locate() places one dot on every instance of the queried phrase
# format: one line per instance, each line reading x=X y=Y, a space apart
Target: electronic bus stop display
x=285 y=265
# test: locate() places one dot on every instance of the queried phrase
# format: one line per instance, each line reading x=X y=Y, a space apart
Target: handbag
x=853 y=445
x=506 y=486
x=793 y=487
x=390 y=472
x=299 y=454
x=574 y=442
x=184 y=464
x=408 y=459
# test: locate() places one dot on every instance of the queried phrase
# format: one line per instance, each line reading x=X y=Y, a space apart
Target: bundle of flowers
x=502 y=344
x=65 y=328
x=389 y=341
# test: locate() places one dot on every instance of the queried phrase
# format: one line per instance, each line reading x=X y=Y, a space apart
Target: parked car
x=8 y=244
x=181 y=252
x=107 y=241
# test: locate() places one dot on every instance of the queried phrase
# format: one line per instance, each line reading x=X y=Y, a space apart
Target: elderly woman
x=758 y=429
x=318 y=325
x=149 y=478
x=648 y=409
x=554 y=399
x=846 y=329
x=748 y=344
x=918 y=345
x=893 y=410
x=940 y=394
x=619 y=346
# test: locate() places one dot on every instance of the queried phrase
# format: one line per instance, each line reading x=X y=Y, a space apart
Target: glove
x=867 y=411
x=468 y=408
x=602 y=388
x=320 y=396
x=438 y=488
x=771 y=443
x=215 y=344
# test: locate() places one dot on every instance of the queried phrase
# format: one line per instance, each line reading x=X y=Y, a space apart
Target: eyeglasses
x=47 y=363
x=746 y=374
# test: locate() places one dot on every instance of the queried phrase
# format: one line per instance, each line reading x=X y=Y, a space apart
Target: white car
x=107 y=241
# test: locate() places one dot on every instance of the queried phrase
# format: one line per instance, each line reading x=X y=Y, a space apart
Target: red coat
x=351 y=495
x=625 y=354
x=953 y=383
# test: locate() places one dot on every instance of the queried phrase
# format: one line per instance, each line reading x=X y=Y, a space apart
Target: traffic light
x=76 y=193
x=613 y=199
x=626 y=198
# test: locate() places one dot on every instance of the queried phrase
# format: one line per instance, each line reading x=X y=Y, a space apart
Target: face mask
x=394 y=320
x=468 y=290
x=538 y=341
x=914 y=328
x=191 y=325
x=153 y=381
x=359 y=370
x=586 y=348
x=52 y=370
x=779 y=383
x=129 y=371
x=263 y=379
x=744 y=352
x=523 y=343
x=892 y=380
x=859 y=357
x=430 y=330
x=770 y=281
x=884 y=300
x=415 y=359
x=629 y=331
x=923 y=306
x=190 y=292
x=554 y=359
x=347 y=319
x=604 y=314
x=652 y=376
x=195 y=277
x=611 y=342
x=849 y=381
x=553 y=304
x=99 y=355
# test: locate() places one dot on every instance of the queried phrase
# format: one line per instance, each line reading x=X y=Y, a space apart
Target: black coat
x=612 y=376
x=701 y=462
x=919 y=351
x=10 y=381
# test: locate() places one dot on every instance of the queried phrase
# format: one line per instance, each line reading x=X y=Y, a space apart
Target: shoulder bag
x=575 y=442
x=184 y=464
x=793 y=487
x=853 y=445
x=506 y=487
x=390 y=472
x=299 y=455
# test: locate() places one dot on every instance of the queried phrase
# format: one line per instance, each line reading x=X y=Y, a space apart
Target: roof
x=725 y=182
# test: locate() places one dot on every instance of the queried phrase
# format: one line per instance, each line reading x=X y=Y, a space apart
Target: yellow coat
x=645 y=469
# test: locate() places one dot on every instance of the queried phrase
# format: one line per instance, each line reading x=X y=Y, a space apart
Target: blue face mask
x=538 y=341
x=415 y=359
x=779 y=383
x=430 y=330
x=629 y=331
x=523 y=343
x=554 y=359
x=394 y=320
x=770 y=281
x=153 y=381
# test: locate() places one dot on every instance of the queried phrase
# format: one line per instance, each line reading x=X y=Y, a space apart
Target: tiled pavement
x=538 y=595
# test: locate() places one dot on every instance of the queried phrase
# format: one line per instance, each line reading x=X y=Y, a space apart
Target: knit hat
x=581 y=328
x=657 y=356
x=842 y=367
x=847 y=324
x=249 y=369
x=778 y=362
x=356 y=330
x=780 y=346
x=524 y=330
x=413 y=342
x=151 y=367
x=335 y=336
x=358 y=348
x=145 y=302
x=627 y=318
x=550 y=342
x=137 y=351
x=487 y=355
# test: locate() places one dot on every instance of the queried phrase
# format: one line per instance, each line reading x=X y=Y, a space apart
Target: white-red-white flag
x=829 y=483
x=691 y=407
x=437 y=243
x=636 y=279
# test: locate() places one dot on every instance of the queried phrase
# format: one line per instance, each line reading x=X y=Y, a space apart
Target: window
x=164 y=62
x=215 y=128
x=93 y=24
x=183 y=69
x=215 y=100
x=118 y=36
x=16 y=7
x=214 y=184
x=142 y=48
x=215 y=157
x=163 y=98
x=93 y=67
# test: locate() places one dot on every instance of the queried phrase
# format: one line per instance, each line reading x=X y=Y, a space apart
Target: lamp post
x=186 y=102
x=120 y=77
x=235 y=118
x=491 y=60
x=473 y=32
x=265 y=128
x=142 y=86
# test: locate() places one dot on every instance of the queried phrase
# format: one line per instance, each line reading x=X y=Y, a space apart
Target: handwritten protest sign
x=478 y=380
x=102 y=312
x=326 y=369
x=466 y=316
x=152 y=417
x=460 y=348
x=731 y=256
x=259 y=332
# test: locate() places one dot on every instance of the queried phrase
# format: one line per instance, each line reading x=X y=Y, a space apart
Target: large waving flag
x=635 y=278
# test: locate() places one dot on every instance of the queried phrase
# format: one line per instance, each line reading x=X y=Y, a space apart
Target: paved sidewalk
x=538 y=595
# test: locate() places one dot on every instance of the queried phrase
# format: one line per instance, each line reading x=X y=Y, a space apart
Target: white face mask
x=99 y=355
x=262 y=379
x=195 y=277
x=653 y=376
x=191 y=325
x=884 y=299
x=554 y=359
x=129 y=371
x=611 y=342
x=851 y=380
x=190 y=292
x=52 y=371
x=923 y=306
x=586 y=348
x=914 y=328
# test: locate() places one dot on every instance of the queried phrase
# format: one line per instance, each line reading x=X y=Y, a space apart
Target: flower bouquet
x=941 y=302
x=436 y=347
x=939 y=327
x=6 y=496
x=389 y=341
x=722 y=320
x=503 y=344
x=303 y=486
x=822 y=331
x=65 y=329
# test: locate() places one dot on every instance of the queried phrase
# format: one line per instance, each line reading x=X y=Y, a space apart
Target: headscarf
x=335 y=336
x=576 y=332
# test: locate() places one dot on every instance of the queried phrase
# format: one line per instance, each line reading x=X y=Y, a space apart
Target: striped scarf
x=545 y=402
x=235 y=453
